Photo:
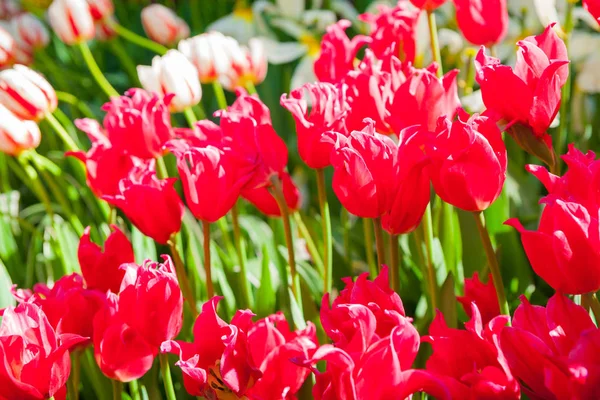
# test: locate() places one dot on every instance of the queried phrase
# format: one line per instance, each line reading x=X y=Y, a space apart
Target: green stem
x=134 y=389
x=345 y=221
x=74 y=101
x=310 y=243
x=117 y=387
x=112 y=216
x=161 y=168
x=75 y=375
x=166 y=375
x=379 y=244
x=277 y=191
x=595 y=305
x=210 y=290
x=431 y=273
x=565 y=104
x=241 y=253
x=186 y=287
x=326 y=228
x=368 y=234
x=95 y=70
x=251 y=88
x=395 y=263
x=61 y=132
x=435 y=43
x=126 y=61
x=190 y=117
x=220 y=95
x=139 y=40
x=36 y=184
x=493 y=262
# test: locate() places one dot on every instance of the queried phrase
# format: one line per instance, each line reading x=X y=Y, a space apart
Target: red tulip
x=218 y=363
x=138 y=123
x=338 y=52
x=539 y=73
x=71 y=20
x=35 y=359
x=26 y=93
x=105 y=165
x=483 y=295
x=593 y=6
x=162 y=25
x=565 y=250
x=411 y=190
x=30 y=32
x=101 y=9
x=393 y=28
x=262 y=198
x=469 y=361
x=552 y=351
x=428 y=5
x=212 y=179
x=121 y=352
x=69 y=307
x=422 y=98
x=327 y=113
x=17 y=135
x=102 y=269
x=150 y=301
x=483 y=23
x=468 y=161
x=363 y=178
x=272 y=346
x=8 y=48
x=151 y=204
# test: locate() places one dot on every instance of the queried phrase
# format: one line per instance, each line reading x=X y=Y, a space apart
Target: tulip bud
x=30 y=32
x=247 y=64
x=26 y=93
x=482 y=23
x=205 y=51
x=71 y=20
x=162 y=25
x=101 y=9
x=17 y=135
x=9 y=9
x=172 y=74
x=104 y=29
x=7 y=48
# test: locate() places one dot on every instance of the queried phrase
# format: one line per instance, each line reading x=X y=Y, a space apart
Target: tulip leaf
x=448 y=303
x=6 y=298
x=265 y=297
x=312 y=279
x=143 y=246
x=68 y=241
x=296 y=312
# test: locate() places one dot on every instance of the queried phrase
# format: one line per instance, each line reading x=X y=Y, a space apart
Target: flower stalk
x=95 y=70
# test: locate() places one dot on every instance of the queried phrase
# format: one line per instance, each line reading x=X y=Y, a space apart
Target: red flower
x=218 y=363
x=483 y=295
x=393 y=28
x=468 y=165
x=138 y=123
x=428 y=5
x=151 y=204
x=422 y=98
x=483 y=23
x=552 y=351
x=69 y=307
x=272 y=345
x=150 y=301
x=212 y=179
x=338 y=52
x=593 y=6
x=470 y=361
x=122 y=353
x=105 y=165
x=101 y=269
x=35 y=363
x=363 y=176
x=262 y=198
x=539 y=73
x=327 y=113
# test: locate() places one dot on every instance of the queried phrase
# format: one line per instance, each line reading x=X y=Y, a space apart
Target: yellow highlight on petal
x=312 y=43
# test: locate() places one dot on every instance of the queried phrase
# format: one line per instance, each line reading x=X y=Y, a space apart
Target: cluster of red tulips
x=390 y=132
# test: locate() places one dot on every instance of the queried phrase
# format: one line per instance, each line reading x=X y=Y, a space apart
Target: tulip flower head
x=30 y=32
x=205 y=51
x=7 y=48
x=9 y=9
x=26 y=93
x=101 y=9
x=593 y=7
x=172 y=74
x=71 y=20
x=162 y=25
x=565 y=249
x=482 y=22
x=428 y=5
x=483 y=295
x=101 y=268
x=17 y=135
x=266 y=203
x=36 y=363
x=247 y=65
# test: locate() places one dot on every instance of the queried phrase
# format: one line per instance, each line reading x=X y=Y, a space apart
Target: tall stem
x=251 y=88
x=74 y=101
x=592 y=300
x=379 y=244
x=431 y=273
x=565 y=91
x=61 y=132
x=75 y=374
x=166 y=375
x=182 y=277
x=117 y=387
x=277 y=191
x=435 y=44
x=220 y=95
x=139 y=40
x=395 y=263
x=95 y=70
x=493 y=262
x=190 y=117
x=326 y=228
x=210 y=290
x=241 y=253
x=36 y=184
x=125 y=59
x=368 y=234
x=161 y=168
